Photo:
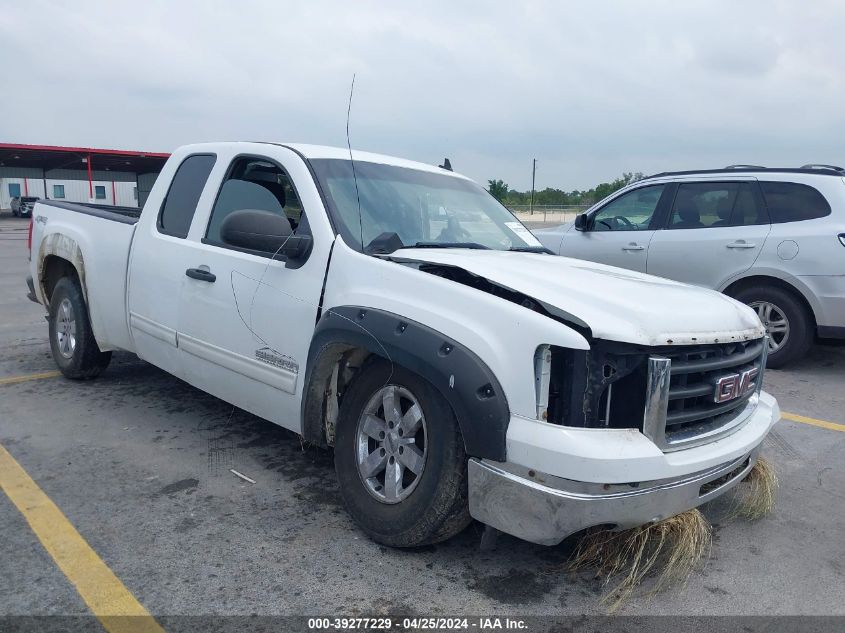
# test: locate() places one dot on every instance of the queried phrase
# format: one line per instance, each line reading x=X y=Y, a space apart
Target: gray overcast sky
x=591 y=89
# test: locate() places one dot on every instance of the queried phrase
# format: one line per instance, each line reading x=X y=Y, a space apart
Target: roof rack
x=821 y=166
x=826 y=170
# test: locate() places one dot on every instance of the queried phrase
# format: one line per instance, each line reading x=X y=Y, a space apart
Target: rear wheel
x=787 y=322
x=71 y=339
x=400 y=458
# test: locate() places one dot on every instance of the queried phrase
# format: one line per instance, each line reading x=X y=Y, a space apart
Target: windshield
x=403 y=207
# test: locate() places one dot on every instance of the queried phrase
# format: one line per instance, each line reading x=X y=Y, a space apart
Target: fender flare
x=63 y=247
x=464 y=380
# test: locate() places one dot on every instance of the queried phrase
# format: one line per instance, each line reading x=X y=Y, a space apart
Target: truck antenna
x=352 y=162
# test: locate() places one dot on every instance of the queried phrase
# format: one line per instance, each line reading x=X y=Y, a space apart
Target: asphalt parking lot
x=139 y=463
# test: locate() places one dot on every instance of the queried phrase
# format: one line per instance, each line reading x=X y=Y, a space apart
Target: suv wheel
x=789 y=326
x=400 y=458
x=71 y=339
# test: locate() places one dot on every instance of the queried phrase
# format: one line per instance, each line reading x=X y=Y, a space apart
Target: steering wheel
x=613 y=222
x=453 y=232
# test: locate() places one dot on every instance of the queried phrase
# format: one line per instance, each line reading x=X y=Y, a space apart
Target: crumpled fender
x=464 y=380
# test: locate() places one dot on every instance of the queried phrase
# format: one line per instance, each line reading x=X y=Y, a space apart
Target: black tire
x=436 y=508
x=801 y=327
x=83 y=360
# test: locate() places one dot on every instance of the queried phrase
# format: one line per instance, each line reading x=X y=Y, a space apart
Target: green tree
x=551 y=196
x=498 y=189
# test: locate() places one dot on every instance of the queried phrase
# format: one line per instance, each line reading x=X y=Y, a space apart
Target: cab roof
x=339 y=153
x=342 y=153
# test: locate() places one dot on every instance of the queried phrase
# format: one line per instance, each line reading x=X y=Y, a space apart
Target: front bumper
x=545 y=509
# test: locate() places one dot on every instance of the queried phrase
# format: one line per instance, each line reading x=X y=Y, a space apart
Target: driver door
x=619 y=233
x=245 y=319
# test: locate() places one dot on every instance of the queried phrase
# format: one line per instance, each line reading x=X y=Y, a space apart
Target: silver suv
x=772 y=238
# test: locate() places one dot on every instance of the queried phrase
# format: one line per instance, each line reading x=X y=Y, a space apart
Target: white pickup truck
x=396 y=312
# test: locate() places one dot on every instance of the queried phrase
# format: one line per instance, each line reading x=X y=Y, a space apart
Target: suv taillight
x=29 y=238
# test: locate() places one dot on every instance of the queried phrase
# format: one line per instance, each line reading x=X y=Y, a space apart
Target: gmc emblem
x=733 y=386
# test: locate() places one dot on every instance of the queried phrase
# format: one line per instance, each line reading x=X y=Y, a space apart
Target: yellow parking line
x=833 y=426
x=16 y=379
x=107 y=597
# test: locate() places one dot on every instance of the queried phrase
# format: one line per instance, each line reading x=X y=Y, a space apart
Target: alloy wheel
x=66 y=329
x=391 y=444
x=775 y=322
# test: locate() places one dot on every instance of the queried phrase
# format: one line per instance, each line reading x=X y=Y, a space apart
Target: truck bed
x=96 y=239
x=126 y=215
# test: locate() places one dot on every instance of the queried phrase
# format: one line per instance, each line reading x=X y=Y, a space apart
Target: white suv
x=772 y=238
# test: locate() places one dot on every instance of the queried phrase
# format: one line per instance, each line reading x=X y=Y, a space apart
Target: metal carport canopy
x=49 y=157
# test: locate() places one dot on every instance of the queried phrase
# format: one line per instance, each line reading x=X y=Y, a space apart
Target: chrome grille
x=696 y=394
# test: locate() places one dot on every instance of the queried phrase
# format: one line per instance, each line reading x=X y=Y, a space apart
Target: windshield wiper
x=473 y=245
x=530 y=249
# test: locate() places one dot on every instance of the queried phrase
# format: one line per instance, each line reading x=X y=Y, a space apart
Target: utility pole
x=533 y=174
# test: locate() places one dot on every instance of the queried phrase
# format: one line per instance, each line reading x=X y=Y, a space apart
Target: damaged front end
x=668 y=392
x=652 y=391
x=678 y=397
x=602 y=387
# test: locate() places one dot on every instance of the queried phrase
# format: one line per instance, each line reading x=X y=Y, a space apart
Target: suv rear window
x=792 y=202
x=700 y=205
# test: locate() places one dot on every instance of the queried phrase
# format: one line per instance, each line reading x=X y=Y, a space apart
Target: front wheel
x=72 y=341
x=787 y=323
x=400 y=459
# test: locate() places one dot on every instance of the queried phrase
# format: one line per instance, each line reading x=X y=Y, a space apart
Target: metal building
x=77 y=174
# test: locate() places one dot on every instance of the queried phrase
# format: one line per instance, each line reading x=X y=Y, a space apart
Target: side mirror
x=581 y=221
x=264 y=232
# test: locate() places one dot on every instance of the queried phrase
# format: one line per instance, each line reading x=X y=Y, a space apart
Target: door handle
x=201 y=275
x=633 y=247
x=741 y=244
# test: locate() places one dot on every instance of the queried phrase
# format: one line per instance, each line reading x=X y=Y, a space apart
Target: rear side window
x=793 y=202
x=748 y=208
x=184 y=194
x=713 y=204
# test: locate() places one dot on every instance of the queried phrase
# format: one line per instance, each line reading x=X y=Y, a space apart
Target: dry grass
x=669 y=550
x=755 y=497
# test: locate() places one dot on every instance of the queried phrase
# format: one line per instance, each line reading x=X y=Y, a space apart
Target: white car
x=771 y=238
x=394 y=311
x=22 y=206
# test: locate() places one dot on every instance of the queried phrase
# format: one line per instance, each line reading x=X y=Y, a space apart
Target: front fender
x=464 y=380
